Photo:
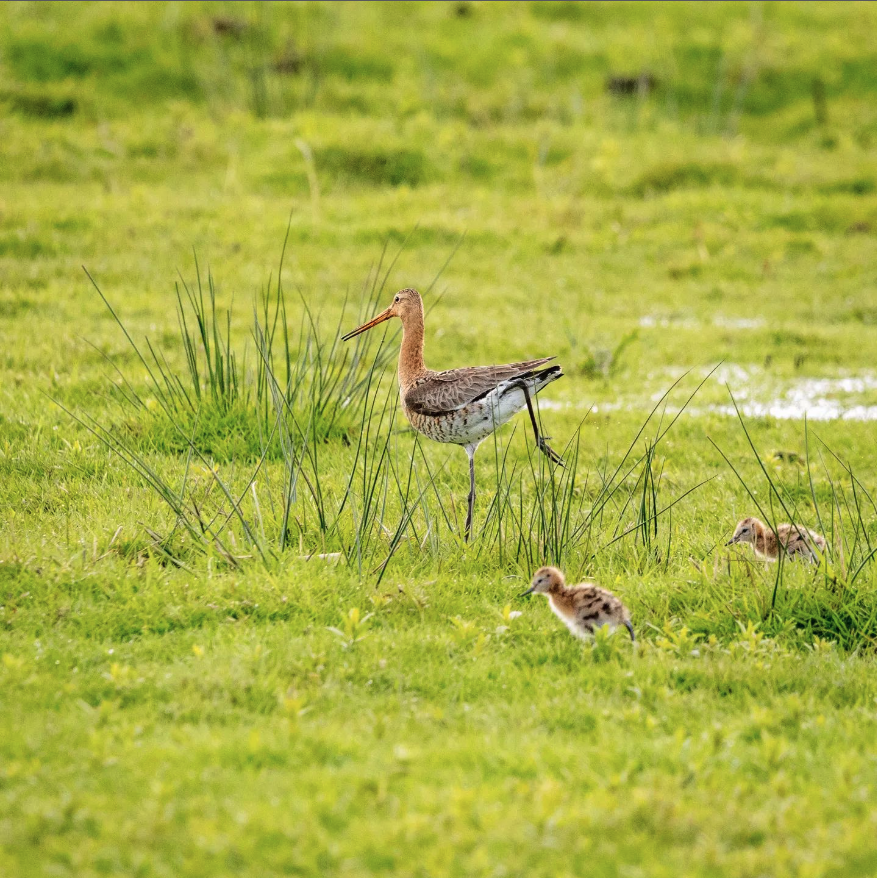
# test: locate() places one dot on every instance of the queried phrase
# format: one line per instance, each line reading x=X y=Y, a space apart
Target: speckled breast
x=473 y=422
x=462 y=427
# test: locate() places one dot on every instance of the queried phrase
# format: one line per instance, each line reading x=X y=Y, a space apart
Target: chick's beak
x=384 y=315
x=528 y=591
x=731 y=541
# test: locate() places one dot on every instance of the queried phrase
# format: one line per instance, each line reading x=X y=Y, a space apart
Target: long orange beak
x=384 y=315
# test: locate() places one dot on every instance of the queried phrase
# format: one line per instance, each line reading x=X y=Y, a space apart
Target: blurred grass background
x=625 y=161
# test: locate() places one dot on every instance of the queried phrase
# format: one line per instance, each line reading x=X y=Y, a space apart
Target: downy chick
x=582 y=608
x=797 y=540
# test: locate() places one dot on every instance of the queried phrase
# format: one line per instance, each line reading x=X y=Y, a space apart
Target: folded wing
x=440 y=392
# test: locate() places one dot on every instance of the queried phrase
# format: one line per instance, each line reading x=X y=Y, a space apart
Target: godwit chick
x=794 y=538
x=462 y=406
x=582 y=608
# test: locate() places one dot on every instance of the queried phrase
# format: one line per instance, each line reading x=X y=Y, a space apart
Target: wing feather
x=440 y=392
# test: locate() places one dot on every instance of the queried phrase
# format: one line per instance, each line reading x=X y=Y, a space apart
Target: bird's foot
x=548 y=451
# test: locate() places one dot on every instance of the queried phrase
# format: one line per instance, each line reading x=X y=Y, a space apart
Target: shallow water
x=847 y=397
x=820 y=399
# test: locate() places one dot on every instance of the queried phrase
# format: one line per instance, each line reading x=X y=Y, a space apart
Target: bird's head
x=745 y=532
x=545 y=579
x=406 y=303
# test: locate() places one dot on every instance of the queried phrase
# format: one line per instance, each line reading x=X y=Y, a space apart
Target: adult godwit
x=798 y=541
x=461 y=406
x=582 y=608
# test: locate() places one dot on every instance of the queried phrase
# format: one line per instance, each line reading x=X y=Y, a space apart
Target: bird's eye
x=397 y=299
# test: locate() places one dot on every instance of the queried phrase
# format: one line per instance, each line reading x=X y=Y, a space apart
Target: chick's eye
x=397 y=299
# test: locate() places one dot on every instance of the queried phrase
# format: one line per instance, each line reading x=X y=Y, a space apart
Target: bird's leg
x=541 y=441
x=470 y=450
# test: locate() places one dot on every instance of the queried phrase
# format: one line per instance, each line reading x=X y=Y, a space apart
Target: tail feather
x=541 y=378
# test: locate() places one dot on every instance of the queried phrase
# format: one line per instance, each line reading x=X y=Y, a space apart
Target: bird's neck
x=411 y=355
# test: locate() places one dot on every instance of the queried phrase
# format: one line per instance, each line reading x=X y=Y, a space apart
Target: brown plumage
x=582 y=608
x=797 y=540
x=436 y=393
x=462 y=406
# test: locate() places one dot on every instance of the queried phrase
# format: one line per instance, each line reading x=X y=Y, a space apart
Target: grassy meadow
x=240 y=632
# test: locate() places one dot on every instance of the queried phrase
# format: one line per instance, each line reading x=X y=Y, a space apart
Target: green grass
x=183 y=692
